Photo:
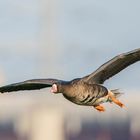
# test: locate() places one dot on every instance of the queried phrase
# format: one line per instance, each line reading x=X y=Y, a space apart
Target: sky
x=67 y=39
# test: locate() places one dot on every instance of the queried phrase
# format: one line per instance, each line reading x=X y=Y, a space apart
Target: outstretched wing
x=113 y=67
x=33 y=84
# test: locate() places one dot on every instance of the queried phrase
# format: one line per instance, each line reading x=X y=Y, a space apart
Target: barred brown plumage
x=87 y=90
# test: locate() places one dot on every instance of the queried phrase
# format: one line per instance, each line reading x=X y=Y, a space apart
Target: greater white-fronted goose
x=88 y=90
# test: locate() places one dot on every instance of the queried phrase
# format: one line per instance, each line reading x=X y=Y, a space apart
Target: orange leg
x=99 y=108
x=116 y=101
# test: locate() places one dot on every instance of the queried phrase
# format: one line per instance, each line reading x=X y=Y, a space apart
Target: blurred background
x=67 y=39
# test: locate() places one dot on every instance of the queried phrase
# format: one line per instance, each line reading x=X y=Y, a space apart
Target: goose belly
x=94 y=95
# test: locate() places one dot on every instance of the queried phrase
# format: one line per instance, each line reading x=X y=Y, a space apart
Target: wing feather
x=113 y=67
x=33 y=84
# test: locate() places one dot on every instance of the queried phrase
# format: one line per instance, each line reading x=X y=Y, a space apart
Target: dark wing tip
x=17 y=87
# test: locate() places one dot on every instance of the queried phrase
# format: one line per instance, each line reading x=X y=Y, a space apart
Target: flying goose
x=88 y=90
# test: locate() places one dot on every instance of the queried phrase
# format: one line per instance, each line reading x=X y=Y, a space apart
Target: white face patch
x=54 y=88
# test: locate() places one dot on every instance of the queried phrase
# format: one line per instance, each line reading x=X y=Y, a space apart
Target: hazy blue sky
x=65 y=39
